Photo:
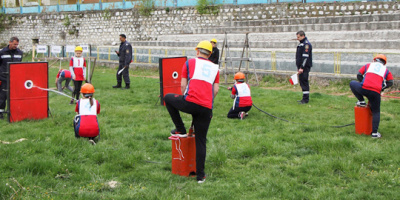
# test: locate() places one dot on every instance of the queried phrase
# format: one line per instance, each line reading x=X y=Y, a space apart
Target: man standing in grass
x=304 y=64
x=199 y=86
x=125 y=58
x=374 y=77
x=11 y=53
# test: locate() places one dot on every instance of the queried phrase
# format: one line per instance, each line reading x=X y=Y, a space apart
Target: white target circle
x=28 y=84
x=175 y=75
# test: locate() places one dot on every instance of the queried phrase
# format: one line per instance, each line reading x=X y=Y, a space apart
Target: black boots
x=118 y=85
x=127 y=85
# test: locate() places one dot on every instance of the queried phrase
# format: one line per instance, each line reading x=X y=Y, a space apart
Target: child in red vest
x=62 y=75
x=241 y=93
x=77 y=66
x=87 y=108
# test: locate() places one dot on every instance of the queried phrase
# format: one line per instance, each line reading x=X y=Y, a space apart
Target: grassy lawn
x=257 y=158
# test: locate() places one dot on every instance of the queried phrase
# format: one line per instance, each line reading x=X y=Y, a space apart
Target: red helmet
x=239 y=76
x=381 y=56
x=87 y=88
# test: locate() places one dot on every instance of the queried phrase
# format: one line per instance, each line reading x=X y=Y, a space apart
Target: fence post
x=336 y=60
x=273 y=60
x=166 y=52
x=100 y=4
x=98 y=54
x=109 y=53
x=134 y=56
x=149 y=56
x=21 y=7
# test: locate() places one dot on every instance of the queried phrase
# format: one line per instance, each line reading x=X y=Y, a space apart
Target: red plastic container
x=183 y=156
x=363 y=120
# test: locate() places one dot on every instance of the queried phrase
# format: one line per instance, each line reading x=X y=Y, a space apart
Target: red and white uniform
x=243 y=95
x=201 y=74
x=374 y=75
x=64 y=73
x=87 y=125
x=77 y=66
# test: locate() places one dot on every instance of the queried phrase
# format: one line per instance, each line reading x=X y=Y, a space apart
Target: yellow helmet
x=214 y=40
x=78 y=48
x=205 y=45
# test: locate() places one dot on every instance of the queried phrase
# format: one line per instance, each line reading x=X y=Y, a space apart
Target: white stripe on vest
x=377 y=68
x=243 y=90
x=205 y=71
x=78 y=62
x=86 y=109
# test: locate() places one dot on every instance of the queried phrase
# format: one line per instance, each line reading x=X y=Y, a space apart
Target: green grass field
x=257 y=158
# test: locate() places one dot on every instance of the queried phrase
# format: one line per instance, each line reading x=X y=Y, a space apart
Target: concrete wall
x=103 y=27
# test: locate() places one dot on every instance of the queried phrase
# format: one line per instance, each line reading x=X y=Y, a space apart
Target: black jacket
x=7 y=56
x=125 y=53
x=304 y=54
x=214 y=55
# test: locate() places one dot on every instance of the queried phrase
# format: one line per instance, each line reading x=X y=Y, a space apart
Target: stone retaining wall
x=103 y=27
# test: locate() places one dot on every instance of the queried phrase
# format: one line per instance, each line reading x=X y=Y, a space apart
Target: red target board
x=27 y=97
x=170 y=75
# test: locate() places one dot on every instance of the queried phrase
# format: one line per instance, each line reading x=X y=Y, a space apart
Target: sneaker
x=361 y=104
x=179 y=134
x=202 y=180
x=376 y=135
x=242 y=115
x=71 y=102
x=92 y=142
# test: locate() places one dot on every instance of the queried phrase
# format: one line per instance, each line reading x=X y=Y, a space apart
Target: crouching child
x=87 y=108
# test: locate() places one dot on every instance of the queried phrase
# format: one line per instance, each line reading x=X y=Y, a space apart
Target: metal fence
x=80 y=5
x=327 y=62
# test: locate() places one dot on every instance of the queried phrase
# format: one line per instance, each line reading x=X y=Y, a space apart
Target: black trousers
x=3 y=95
x=374 y=101
x=77 y=89
x=201 y=121
x=235 y=113
x=304 y=84
x=124 y=74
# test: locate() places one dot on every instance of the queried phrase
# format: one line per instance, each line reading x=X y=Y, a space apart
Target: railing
x=330 y=62
x=37 y=7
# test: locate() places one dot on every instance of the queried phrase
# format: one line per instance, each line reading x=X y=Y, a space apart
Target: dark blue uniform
x=304 y=61
x=125 y=58
x=6 y=56
x=214 y=57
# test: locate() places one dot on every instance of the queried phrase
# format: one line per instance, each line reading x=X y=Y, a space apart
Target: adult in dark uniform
x=215 y=52
x=11 y=53
x=125 y=58
x=304 y=64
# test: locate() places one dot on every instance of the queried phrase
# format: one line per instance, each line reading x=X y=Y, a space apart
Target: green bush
x=207 y=7
x=145 y=7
